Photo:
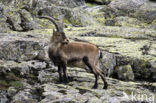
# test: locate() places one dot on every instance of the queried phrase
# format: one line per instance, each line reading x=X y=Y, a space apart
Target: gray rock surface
x=141 y=9
x=125 y=72
x=18 y=48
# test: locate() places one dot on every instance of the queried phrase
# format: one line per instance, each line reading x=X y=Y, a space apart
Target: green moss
x=75 y=22
x=91 y=4
x=10 y=13
x=34 y=12
x=66 y=21
x=46 y=24
x=101 y=20
x=11 y=76
x=111 y=16
x=16 y=84
x=62 y=86
x=3 y=83
x=128 y=91
x=31 y=76
x=130 y=22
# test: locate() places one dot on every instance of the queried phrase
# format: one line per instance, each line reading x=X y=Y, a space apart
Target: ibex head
x=58 y=35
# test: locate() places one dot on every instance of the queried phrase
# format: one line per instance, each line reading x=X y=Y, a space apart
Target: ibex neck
x=53 y=47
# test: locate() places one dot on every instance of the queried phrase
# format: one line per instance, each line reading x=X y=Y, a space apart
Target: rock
x=22 y=68
x=129 y=5
x=75 y=16
x=125 y=72
x=153 y=25
x=19 y=16
x=143 y=69
x=73 y=93
x=136 y=11
x=36 y=65
x=24 y=97
x=13 y=18
x=3 y=97
x=18 y=48
x=103 y=14
x=48 y=75
x=27 y=22
x=77 y=88
x=153 y=70
x=43 y=54
x=12 y=91
x=22 y=15
x=68 y=3
x=128 y=21
x=108 y=63
x=7 y=66
x=4 y=26
x=140 y=9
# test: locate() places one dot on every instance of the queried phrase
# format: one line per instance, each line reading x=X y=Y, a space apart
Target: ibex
x=73 y=54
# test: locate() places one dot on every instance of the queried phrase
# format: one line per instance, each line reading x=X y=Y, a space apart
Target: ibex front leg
x=65 y=72
x=60 y=73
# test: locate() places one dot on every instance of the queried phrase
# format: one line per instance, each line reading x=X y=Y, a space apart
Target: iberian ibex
x=73 y=54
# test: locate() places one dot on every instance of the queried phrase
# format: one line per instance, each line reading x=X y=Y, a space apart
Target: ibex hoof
x=94 y=87
x=105 y=87
x=60 y=81
x=66 y=81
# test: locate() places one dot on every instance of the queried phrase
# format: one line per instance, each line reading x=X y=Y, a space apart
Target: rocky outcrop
x=76 y=16
x=22 y=15
x=17 y=48
x=36 y=81
x=39 y=84
x=123 y=30
x=139 y=13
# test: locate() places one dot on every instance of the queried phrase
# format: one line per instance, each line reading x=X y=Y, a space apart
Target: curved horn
x=52 y=20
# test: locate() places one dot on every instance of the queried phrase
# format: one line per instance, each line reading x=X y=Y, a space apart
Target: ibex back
x=73 y=54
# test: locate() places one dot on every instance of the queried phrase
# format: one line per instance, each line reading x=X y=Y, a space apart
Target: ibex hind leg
x=96 y=81
x=103 y=78
x=86 y=61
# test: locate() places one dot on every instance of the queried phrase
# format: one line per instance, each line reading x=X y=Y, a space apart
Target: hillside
x=124 y=30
